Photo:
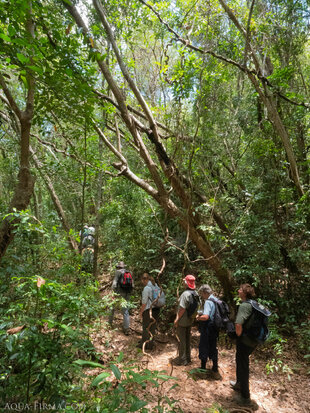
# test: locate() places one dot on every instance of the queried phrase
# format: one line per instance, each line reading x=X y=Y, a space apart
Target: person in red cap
x=188 y=304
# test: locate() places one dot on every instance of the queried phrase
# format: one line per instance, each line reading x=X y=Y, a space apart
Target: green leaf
x=137 y=405
x=22 y=58
x=36 y=69
x=100 y=378
x=5 y=37
x=116 y=371
x=24 y=80
x=120 y=357
x=85 y=363
x=9 y=344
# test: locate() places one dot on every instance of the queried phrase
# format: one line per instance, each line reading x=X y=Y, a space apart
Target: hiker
x=87 y=263
x=123 y=287
x=158 y=296
x=208 y=331
x=245 y=345
x=144 y=313
x=87 y=236
x=188 y=304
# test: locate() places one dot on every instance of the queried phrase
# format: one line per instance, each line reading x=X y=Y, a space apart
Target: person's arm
x=141 y=310
x=146 y=296
x=115 y=280
x=207 y=309
x=179 y=315
x=203 y=317
x=243 y=314
x=238 y=329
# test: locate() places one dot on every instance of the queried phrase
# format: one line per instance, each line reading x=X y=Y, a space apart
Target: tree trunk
x=59 y=209
x=20 y=201
x=268 y=101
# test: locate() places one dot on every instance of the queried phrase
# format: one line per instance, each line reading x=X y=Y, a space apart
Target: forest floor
x=273 y=393
x=277 y=392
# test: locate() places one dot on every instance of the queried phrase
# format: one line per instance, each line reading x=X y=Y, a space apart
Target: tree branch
x=10 y=98
x=240 y=66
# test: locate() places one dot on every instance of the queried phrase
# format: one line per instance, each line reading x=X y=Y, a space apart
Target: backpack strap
x=259 y=307
x=249 y=318
x=213 y=300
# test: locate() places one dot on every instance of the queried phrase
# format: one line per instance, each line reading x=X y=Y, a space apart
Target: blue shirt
x=209 y=307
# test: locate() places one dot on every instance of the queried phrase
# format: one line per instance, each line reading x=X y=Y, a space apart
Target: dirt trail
x=273 y=393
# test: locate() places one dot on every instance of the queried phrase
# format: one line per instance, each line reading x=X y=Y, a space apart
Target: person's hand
x=140 y=314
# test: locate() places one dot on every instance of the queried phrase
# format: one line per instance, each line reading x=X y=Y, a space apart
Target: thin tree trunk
x=25 y=185
x=97 y=212
x=268 y=101
x=59 y=209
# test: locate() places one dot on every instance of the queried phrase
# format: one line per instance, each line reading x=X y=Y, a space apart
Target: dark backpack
x=221 y=319
x=258 y=327
x=193 y=305
x=125 y=280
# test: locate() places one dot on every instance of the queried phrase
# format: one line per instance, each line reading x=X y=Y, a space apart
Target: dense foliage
x=180 y=130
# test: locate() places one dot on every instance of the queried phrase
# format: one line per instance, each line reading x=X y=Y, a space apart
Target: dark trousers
x=146 y=321
x=208 y=343
x=243 y=367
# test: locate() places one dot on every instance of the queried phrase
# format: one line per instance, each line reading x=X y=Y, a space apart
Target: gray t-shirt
x=184 y=302
x=147 y=296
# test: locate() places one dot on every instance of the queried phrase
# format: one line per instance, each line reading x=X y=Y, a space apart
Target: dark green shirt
x=244 y=313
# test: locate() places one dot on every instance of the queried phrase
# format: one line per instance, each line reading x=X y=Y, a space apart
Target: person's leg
x=181 y=332
x=126 y=317
x=243 y=368
x=188 y=344
x=213 y=352
x=155 y=314
x=145 y=324
x=203 y=343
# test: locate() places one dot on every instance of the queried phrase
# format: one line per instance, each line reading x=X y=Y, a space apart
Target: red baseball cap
x=190 y=281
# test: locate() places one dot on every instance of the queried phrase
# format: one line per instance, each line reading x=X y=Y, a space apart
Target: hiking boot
x=246 y=402
x=148 y=346
x=126 y=331
x=235 y=385
x=216 y=375
x=200 y=374
x=178 y=362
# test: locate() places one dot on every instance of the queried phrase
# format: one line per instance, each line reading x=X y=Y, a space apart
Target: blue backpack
x=158 y=296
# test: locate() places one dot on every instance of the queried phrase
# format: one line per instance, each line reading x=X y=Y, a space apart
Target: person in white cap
x=188 y=304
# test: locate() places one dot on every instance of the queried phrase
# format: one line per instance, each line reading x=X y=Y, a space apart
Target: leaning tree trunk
x=160 y=194
x=267 y=99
